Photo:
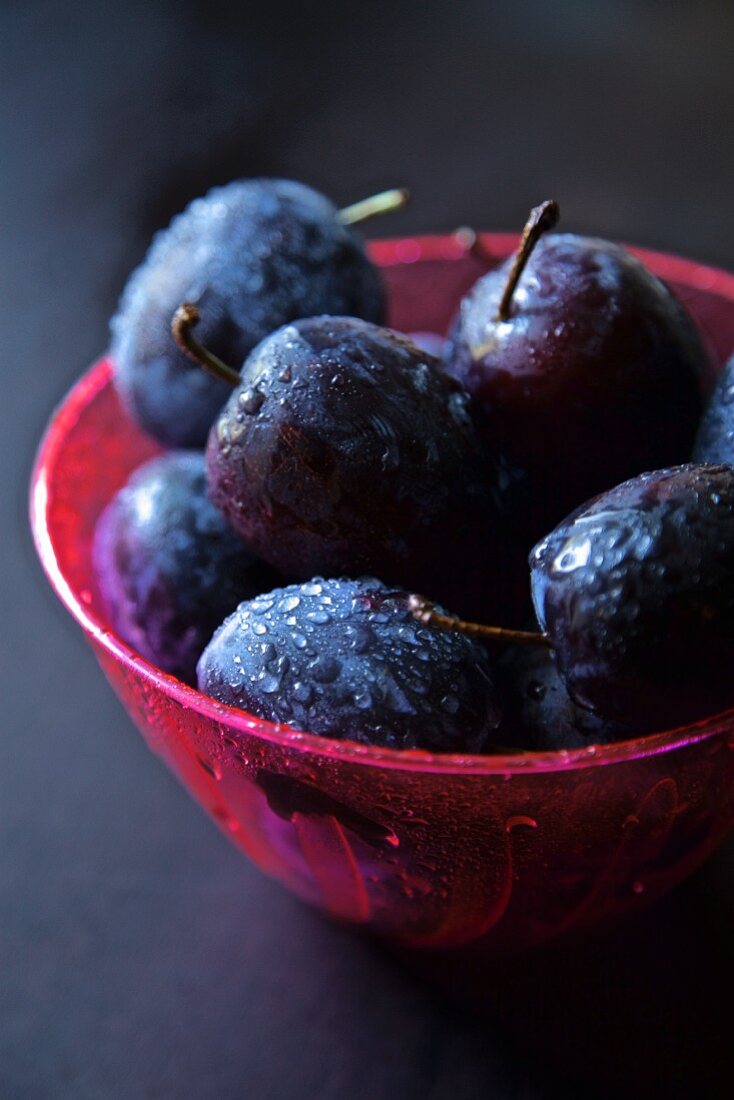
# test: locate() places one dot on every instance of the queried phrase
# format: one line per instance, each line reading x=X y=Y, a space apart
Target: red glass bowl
x=428 y=850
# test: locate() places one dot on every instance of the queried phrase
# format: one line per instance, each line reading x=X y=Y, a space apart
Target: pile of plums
x=348 y=469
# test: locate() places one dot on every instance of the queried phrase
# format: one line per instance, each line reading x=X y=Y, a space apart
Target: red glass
x=428 y=850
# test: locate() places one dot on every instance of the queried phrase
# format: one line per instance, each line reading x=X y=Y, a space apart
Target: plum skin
x=168 y=566
x=252 y=255
x=596 y=375
x=715 y=435
x=540 y=715
x=346 y=659
x=347 y=450
x=636 y=592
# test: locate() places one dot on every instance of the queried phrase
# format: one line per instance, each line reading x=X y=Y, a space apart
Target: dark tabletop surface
x=141 y=956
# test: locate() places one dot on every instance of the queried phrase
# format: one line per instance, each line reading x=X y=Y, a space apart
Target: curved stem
x=384 y=203
x=425 y=612
x=184 y=319
x=541 y=219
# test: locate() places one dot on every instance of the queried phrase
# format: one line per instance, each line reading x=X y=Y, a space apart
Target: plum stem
x=425 y=612
x=541 y=219
x=384 y=203
x=184 y=319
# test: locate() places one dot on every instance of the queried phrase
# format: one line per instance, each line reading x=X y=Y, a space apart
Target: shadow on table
x=638 y=1009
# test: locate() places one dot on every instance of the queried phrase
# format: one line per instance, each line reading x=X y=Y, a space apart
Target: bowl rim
x=386 y=253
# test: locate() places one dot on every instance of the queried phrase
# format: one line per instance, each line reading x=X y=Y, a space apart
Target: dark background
x=141 y=956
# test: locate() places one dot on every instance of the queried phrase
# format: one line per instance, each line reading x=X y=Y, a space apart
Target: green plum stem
x=184 y=319
x=541 y=219
x=425 y=612
x=384 y=203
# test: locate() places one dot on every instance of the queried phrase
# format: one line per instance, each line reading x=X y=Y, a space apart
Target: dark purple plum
x=346 y=659
x=428 y=341
x=168 y=566
x=636 y=592
x=346 y=450
x=541 y=715
x=590 y=373
x=253 y=255
x=715 y=436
